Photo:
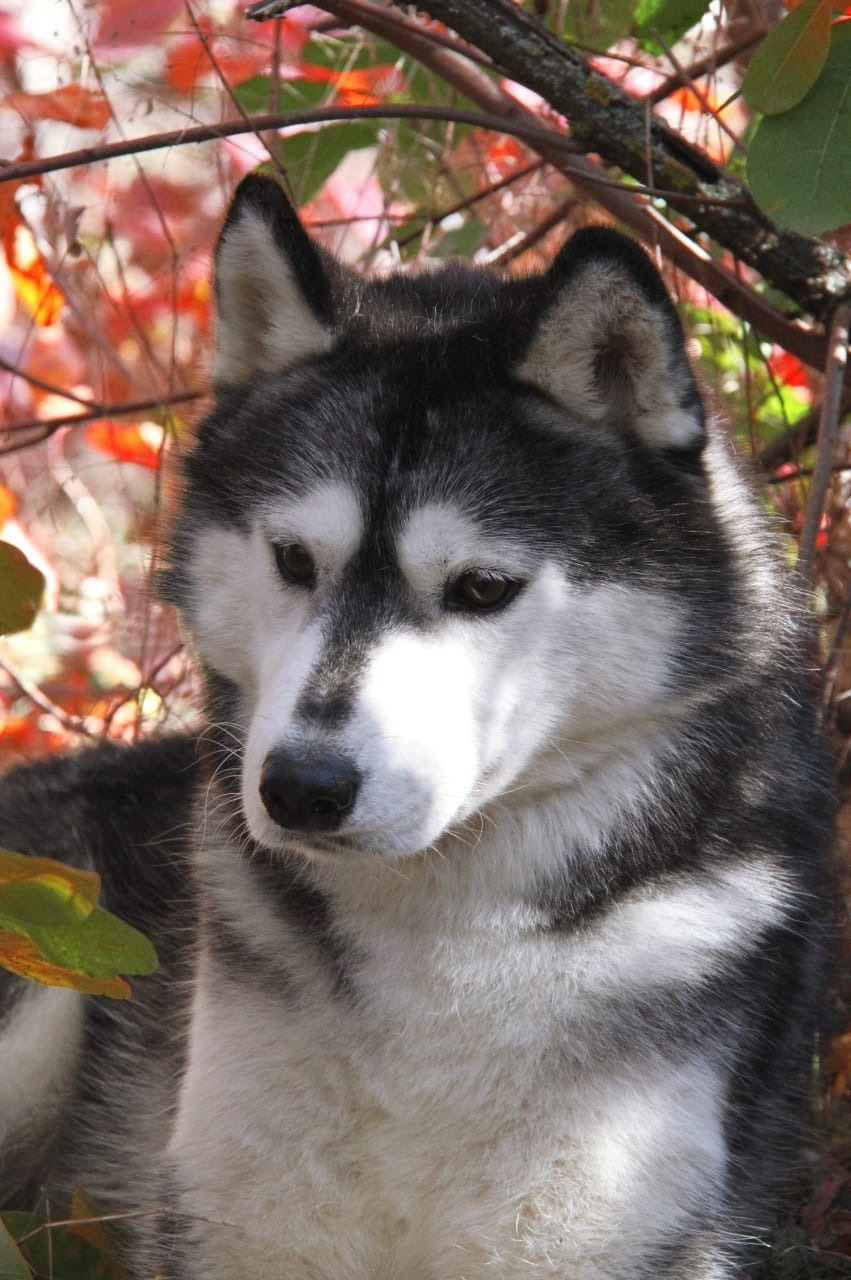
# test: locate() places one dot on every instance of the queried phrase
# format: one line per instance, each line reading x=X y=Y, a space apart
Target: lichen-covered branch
x=606 y=120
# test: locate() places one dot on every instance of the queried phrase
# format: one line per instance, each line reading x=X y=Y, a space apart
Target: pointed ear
x=274 y=305
x=609 y=346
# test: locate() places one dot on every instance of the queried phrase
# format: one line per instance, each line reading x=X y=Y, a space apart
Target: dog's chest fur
x=462 y=1104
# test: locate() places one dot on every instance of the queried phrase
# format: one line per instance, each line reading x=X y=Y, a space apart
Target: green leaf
x=21 y=590
x=312 y=156
x=294 y=95
x=598 y=23
x=101 y=946
x=799 y=167
x=788 y=62
x=671 y=18
x=354 y=52
x=69 y=1252
x=12 y=1263
x=52 y=930
x=40 y=902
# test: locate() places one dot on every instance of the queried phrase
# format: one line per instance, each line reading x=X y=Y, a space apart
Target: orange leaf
x=72 y=104
x=141 y=443
x=686 y=98
x=21 y=956
x=8 y=504
x=33 y=284
x=357 y=88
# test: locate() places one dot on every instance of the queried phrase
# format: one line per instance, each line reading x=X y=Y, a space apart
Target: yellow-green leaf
x=21 y=590
x=44 y=891
x=19 y=955
x=101 y=946
x=52 y=931
x=790 y=59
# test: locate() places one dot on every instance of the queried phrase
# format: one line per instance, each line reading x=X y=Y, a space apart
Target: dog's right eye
x=295 y=563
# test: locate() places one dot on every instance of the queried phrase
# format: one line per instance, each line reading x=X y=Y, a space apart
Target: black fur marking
x=306 y=913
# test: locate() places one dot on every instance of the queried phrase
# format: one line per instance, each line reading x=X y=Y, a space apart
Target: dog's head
x=439 y=532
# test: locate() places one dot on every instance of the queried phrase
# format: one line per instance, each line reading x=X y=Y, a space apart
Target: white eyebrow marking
x=438 y=537
x=327 y=520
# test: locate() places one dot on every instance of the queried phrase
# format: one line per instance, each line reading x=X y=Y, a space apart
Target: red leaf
x=124 y=26
x=141 y=443
x=72 y=104
x=788 y=369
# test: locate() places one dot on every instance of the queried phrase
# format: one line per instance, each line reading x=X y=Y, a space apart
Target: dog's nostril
x=308 y=792
x=326 y=805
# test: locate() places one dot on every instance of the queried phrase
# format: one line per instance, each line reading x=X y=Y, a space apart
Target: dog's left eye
x=475 y=591
x=295 y=563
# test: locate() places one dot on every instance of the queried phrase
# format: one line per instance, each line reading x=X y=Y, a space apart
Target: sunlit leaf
x=788 y=62
x=123 y=26
x=42 y=891
x=19 y=955
x=8 y=504
x=52 y=930
x=33 y=283
x=71 y=103
x=21 y=590
x=799 y=167
x=141 y=442
x=101 y=946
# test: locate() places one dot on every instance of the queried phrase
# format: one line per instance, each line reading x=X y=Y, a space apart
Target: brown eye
x=295 y=563
x=476 y=591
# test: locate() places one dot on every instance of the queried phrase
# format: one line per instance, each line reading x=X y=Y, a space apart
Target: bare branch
x=834 y=376
x=35 y=430
x=19 y=171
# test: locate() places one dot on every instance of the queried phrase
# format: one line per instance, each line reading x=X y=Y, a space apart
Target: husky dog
x=491 y=951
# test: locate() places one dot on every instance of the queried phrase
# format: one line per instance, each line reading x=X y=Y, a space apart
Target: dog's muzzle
x=306 y=791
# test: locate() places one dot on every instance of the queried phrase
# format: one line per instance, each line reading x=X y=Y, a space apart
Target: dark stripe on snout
x=372 y=596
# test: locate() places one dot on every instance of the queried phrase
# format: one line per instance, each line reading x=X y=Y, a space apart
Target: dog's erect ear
x=609 y=346
x=274 y=305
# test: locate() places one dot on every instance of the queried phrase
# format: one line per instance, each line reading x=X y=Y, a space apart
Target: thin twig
x=834 y=376
x=705 y=65
x=518 y=245
x=44 y=428
x=467 y=203
x=67 y=394
x=73 y=724
x=18 y=171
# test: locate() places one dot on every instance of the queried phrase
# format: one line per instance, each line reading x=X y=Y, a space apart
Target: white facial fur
x=444 y=718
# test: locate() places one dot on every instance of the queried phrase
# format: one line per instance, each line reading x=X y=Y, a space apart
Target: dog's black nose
x=308 y=792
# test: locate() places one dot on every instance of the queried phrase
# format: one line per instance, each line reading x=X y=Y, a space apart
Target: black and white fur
x=491 y=951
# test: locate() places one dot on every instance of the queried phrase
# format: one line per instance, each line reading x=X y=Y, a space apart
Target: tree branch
x=607 y=120
x=35 y=430
x=452 y=65
x=19 y=171
x=834 y=375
